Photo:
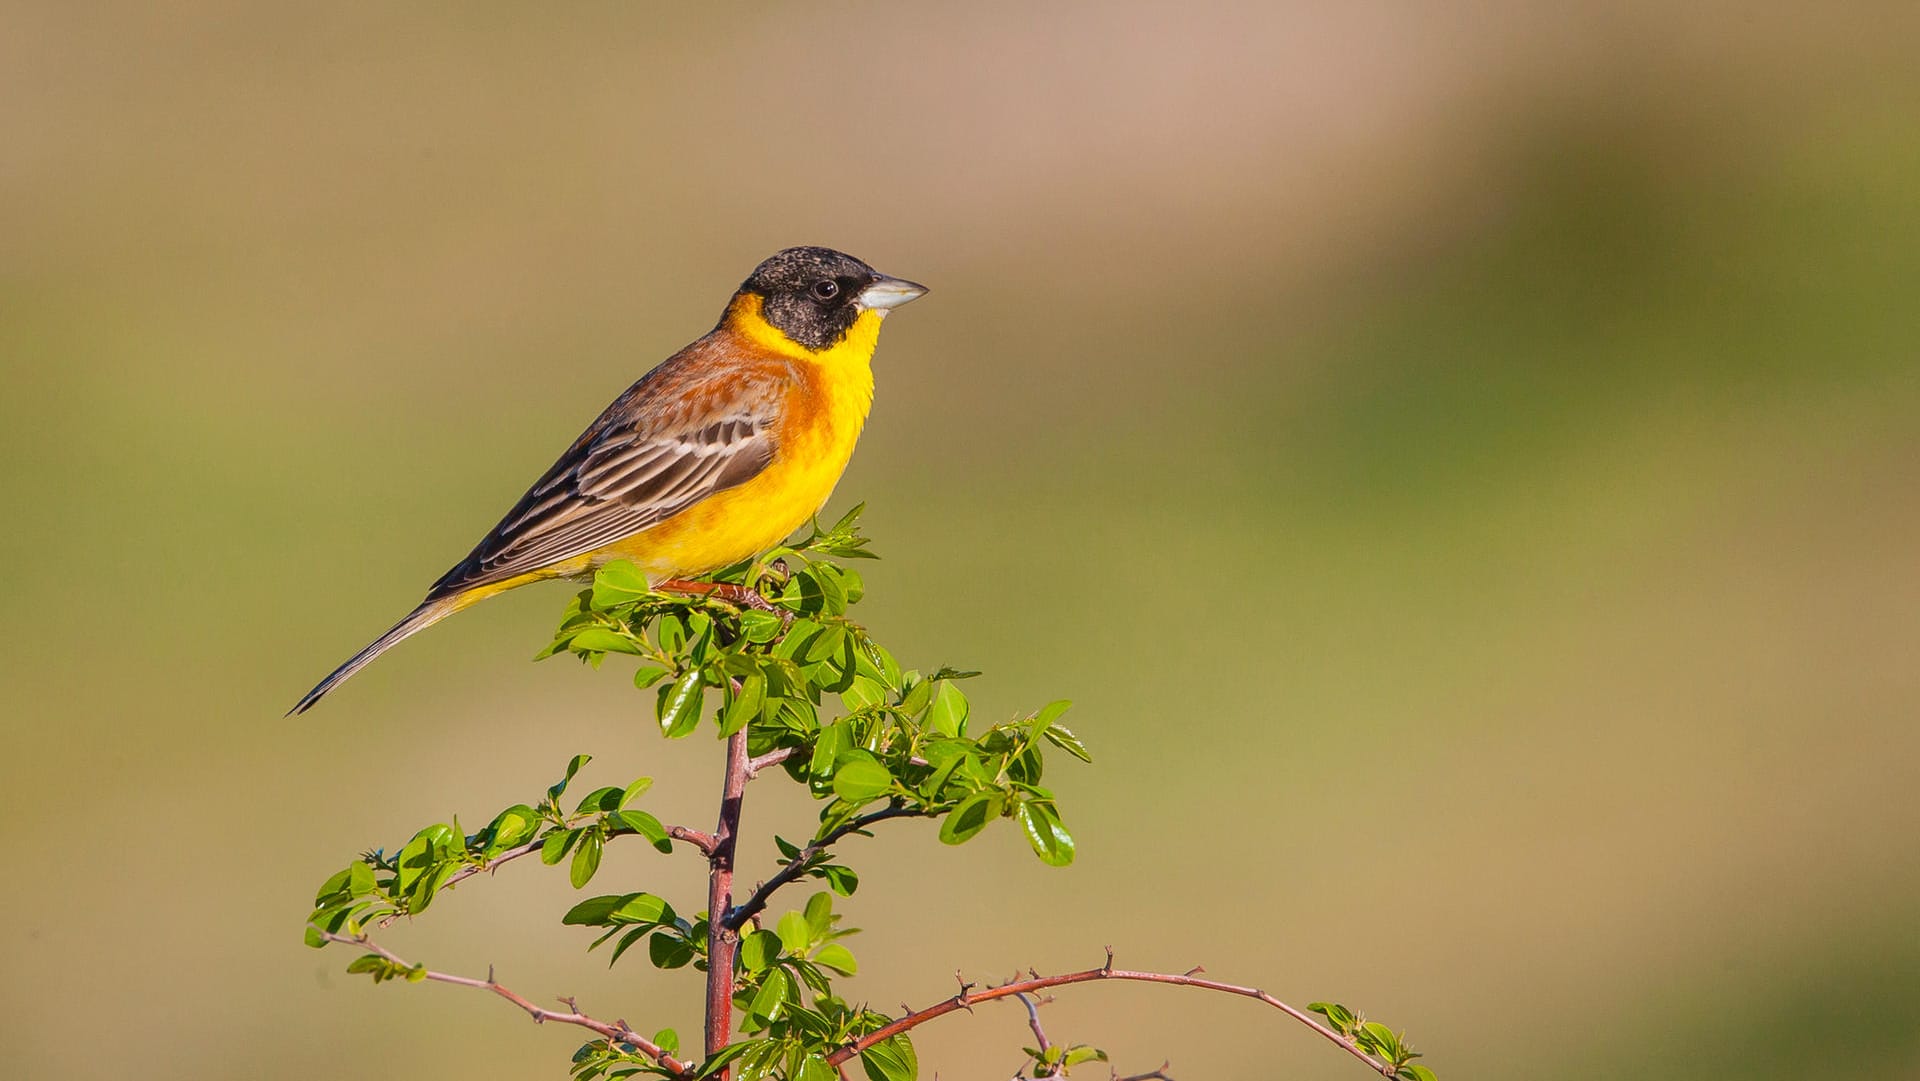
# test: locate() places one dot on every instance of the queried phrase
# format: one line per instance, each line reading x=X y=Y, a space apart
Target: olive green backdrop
x=1465 y=466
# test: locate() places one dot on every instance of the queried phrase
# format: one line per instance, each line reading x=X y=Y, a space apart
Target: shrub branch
x=967 y=997
x=617 y=1031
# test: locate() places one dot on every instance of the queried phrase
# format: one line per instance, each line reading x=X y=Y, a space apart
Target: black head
x=814 y=295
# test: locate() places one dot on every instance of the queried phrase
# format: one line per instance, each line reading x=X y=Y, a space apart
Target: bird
x=714 y=456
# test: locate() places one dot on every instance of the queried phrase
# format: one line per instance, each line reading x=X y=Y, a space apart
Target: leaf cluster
x=1375 y=1039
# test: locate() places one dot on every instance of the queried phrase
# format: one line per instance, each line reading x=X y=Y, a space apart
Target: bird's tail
x=418 y=620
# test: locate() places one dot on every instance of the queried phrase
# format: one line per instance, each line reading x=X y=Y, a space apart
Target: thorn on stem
x=1195 y=970
x=1108 y=967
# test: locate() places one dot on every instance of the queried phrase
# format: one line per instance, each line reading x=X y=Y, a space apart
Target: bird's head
x=814 y=296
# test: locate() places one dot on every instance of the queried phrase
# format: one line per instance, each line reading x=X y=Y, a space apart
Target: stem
x=616 y=1032
x=967 y=997
x=723 y=941
x=800 y=864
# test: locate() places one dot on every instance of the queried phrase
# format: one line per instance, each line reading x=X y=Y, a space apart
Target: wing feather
x=674 y=438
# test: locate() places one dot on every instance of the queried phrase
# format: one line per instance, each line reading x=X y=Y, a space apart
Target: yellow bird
x=713 y=457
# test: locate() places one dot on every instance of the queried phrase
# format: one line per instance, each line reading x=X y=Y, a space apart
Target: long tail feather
x=418 y=620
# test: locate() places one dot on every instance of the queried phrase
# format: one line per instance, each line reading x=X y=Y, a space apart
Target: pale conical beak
x=889 y=293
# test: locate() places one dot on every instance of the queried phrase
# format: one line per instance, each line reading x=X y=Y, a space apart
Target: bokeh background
x=1462 y=460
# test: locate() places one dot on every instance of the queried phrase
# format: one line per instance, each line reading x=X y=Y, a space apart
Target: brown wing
x=686 y=430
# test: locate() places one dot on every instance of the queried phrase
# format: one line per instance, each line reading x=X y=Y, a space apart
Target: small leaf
x=820 y=916
x=1082 y=1053
x=759 y=950
x=891 y=1060
x=618 y=582
x=1062 y=737
x=573 y=767
x=586 y=859
x=745 y=705
x=970 y=817
x=668 y=951
x=667 y=1040
x=1045 y=832
x=645 y=825
x=858 y=776
x=794 y=933
x=680 y=702
x=555 y=848
x=842 y=880
x=602 y=640
x=838 y=958
x=772 y=996
x=635 y=790
x=948 y=714
x=648 y=675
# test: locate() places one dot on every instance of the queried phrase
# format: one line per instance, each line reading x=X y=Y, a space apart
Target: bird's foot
x=736 y=595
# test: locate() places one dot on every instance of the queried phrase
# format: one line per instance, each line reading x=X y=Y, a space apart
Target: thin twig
x=738 y=916
x=769 y=760
x=1033 y=1021
x=1105 y=972
x=699 y=839
x=1151 y=1075
x=618 y=1032
x=696 y=838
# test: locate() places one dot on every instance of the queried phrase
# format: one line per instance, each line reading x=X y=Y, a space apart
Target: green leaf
x=556 y=846
x=725 y=1055
x=648 y=675
x=759 y=627
x=680 y=702
x=1062 y=737
x=858 y=776
x=1081 y=1053
x=794 y=933
x=948 y=714
x=1416 y=1073
x=815 y=1068
x=618 y=582
x=586 y=859
x=970 y=817
x=891 y=1060
x=838 y=958
x=668 y=951
x=513 y=826
x=759 y=950
x=1339 y=1017
x=604 y=798
x=645 y=825
x=573 y=767
x=667 y=1040
x=745 y=705
x=820 y=916
x=602 y=640
x=772 y=996
x=842 y=880
x=635 y=790
x=1049 y=838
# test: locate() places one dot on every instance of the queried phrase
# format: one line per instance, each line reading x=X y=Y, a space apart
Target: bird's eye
x=826 y=289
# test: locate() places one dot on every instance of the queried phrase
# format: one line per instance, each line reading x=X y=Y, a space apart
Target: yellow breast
x=824 y=412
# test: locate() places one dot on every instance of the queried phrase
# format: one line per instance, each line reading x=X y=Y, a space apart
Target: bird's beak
x=888 y=293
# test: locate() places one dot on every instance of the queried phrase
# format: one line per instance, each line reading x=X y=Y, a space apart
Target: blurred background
x=1463 y=464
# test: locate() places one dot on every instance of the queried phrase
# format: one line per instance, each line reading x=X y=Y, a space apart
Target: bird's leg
x=738 y=596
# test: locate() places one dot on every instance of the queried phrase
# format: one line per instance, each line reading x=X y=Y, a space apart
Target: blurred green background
x=1465 y=466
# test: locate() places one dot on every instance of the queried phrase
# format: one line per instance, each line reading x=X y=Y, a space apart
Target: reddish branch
x=615 y=1032
x=769 y=760
x=968 y=996
x=723 y=941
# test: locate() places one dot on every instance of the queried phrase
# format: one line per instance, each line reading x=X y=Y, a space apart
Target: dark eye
x=826 y=289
